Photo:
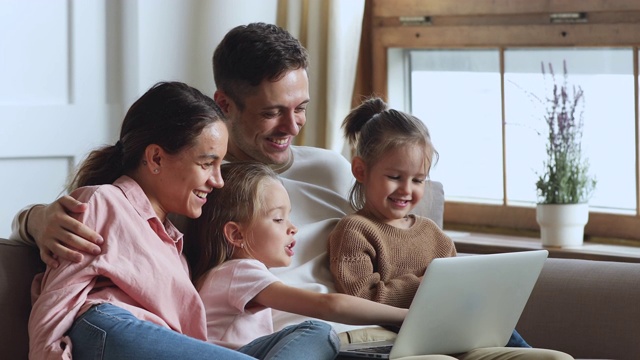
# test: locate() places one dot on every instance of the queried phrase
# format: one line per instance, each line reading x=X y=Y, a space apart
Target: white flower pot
x=562 y=225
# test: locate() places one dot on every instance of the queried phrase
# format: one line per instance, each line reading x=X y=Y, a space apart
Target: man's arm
x=18 y=230
x=55 y=232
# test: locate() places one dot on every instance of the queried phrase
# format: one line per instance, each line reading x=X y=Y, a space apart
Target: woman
x=135 y=299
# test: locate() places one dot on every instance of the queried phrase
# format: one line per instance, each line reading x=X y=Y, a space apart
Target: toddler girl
x=244 y=231
x=381 y=251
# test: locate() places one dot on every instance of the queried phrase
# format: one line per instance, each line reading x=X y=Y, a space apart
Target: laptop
x=463 y=303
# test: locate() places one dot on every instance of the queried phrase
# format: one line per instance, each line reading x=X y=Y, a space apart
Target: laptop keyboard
x=377 y=349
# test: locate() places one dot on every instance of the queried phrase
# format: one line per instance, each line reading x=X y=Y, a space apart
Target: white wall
x=69 y=69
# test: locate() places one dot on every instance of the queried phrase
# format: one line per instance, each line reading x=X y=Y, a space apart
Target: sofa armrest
x=589 y=309
x=432 y=203
x=19 y=263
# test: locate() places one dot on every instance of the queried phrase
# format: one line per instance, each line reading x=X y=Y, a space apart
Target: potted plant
x=565 y=186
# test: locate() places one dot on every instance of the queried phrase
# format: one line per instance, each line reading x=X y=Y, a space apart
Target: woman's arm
x=334 y=307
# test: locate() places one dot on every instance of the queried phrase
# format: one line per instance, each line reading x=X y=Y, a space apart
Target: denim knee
x=309 y=340
x=320 y=327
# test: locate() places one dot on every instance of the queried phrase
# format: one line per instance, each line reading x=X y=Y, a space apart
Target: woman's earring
x=155 y=171
x=241 y=245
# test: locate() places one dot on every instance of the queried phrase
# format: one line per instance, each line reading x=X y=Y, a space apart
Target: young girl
x=381 y=251
x=244 y=231
x=135 y=299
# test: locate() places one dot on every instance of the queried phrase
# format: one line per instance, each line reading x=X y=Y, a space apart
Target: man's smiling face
x=273 y=115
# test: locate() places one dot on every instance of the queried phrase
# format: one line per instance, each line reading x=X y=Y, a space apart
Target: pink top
x=226 y=291
x=140 y=269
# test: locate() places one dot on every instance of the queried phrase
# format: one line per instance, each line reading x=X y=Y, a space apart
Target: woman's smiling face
x=188 y=176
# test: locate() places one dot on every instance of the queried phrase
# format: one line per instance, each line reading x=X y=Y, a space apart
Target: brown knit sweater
x=379 y=262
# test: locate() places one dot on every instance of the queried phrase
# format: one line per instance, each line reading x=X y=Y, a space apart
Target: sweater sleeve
x=19 y=227
x=358 y=263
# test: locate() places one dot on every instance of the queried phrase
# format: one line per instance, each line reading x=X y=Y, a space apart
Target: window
x=472 y=72
x=469 y=137
x=442 y=80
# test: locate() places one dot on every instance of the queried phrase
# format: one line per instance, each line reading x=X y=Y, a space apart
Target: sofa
x=586 y=308
x=589 y=309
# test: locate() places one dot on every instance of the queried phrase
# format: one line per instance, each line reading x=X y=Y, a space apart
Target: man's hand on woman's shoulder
x=58 y=234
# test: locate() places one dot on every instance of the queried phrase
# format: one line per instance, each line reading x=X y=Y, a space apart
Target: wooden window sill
x=480 y=243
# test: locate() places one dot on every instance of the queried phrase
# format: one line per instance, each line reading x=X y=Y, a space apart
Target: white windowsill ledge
x=480 y=243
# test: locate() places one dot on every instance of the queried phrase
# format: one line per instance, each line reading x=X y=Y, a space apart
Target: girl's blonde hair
x=373 y=129
x=241 y=199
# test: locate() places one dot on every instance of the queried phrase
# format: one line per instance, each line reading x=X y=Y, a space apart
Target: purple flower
x=566 y=179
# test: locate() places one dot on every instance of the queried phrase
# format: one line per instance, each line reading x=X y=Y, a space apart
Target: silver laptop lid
x=468 y=302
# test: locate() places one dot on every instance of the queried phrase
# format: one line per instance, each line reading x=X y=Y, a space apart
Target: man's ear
x=233 y=233
x=222 y=100
x=358 y=169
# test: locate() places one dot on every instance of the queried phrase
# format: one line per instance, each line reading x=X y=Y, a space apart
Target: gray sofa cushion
x=589 y=309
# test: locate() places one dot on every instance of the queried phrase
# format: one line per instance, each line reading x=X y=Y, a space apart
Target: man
x=262 y=85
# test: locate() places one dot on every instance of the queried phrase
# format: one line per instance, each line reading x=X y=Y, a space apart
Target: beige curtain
x=330 y=30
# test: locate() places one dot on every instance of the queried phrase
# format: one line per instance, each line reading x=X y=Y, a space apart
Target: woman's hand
x=58 y=235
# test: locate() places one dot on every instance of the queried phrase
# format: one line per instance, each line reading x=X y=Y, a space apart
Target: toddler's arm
x=330 y=307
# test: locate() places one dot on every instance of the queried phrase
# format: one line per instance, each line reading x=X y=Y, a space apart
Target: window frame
x=502 y=24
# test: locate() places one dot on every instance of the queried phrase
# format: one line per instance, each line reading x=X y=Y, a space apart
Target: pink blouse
x=141 y=269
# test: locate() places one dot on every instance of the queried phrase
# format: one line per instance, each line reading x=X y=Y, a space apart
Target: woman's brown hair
x=170 y=114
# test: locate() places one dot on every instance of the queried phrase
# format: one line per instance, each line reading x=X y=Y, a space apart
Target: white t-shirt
x=318 y=184
x=226 y=291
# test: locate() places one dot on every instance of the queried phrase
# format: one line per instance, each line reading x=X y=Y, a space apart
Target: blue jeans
x=108 y=332
x=517 y=341
x=308 y=340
